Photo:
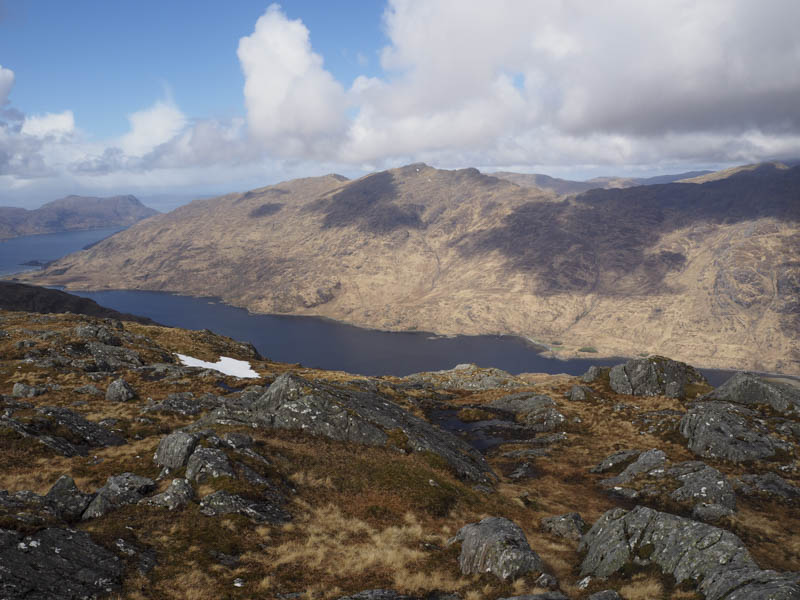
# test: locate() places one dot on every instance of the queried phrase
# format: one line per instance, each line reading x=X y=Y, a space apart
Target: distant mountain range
x=73 y=213
x=706 y=272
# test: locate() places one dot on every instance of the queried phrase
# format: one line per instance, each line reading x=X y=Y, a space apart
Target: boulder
x=702 y=484
x=119 y=391
x=89 y=390
x=23 y=390
x=654 y=376
x=260 y=511
x=352 y=415
x=175 y=449
x=580 y=393
x=177 y=495
x=208 y=462
x=498 y=546
x=715 y=559
x=543 y=596
x=614 y=460
x=92 y=434
x=769 y=484
x=593 y=374
x=536 y=412
x=646 y=462
x=67 y=500
x=729 y=431
x=56 y=564
x=568 y=526
x=119 y=490
x=749 y=388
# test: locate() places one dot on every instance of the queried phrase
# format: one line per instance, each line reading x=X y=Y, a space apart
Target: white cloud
x=151 y=127
x=56 y=125
x=293 y=104
x=6 y=83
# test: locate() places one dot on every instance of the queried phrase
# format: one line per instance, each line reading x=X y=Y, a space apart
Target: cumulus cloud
x=293 y=104
x=151 y=127
x=56 y=125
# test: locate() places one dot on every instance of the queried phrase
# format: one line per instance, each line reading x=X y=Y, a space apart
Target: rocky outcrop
x=120 y=390
x=537 y=412
x=654 y=376
x=177 y=495
x=56 y=564
x=568 y=526
x=770 y=485
x=715 y=559
x=118 y=491
x=353 y=415
x=260 y=511
x=205 y=463
x=67 y=500
x=729 y=431
x=646 y=462
x=467 y=377
x=175 y=449
x=498 y=546
x=750 y=389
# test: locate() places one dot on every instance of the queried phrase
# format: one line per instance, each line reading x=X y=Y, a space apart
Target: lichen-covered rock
x=120 y=391
x=353 y=415
x=93 y=435
x=592 y=374
x=730 y=431
x=260 y=511
x=612 y=461
x=568 y=526
x=175 y=449
x=111 y=358
x=498 y=546
x=177 y=495
x=749 y=388
x=702 y=484
x=685 y=549
x=468 y=377
x=769 y=484
x=67 y=500
x=208 y=462
x=580 y=393
x=56 y=564
x=119 y=490
x=646 y=462
x=535 y=411
x=654 y=376
x=23 y=390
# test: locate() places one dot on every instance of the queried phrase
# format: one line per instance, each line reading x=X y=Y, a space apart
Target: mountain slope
x=705 y=273
x=567 y=187
x=72 y=213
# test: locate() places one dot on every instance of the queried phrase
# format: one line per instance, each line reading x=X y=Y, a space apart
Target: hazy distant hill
x=708 y=273
x=73 y=213
x=565 y=186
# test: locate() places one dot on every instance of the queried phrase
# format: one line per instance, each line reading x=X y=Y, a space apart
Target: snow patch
x=225 y=364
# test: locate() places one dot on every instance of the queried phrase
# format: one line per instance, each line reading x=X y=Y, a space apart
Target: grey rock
x=184 y=403
x=546 y=580
x=580 y=393
x=175 y=449
x=654 y=376
x=544 y=596
x=537 y=412
x=524 y=471
x=238 y=441
x=67 y=500
x=647 y=461
x=498 y=546
x=568 y=526
x=90 y=390
x=56 y=564
x=119 y=391
x=146 y=557
x=729 y=431
x=605 y=595
x=394 y=595
x=208 y=462
x=23 y=390
x=93 y=435
x=119 y=490
x=749 y=388
x=260 y=511
x=467 y=377
x=177 y=495
x=769 y=484
x=363 y=417
x=57 y=443
x=102 y=334
x=704 y=485
x=111 y=358
x=614 y=460
x=685 y=549
x=710 y=513
x=592 y=374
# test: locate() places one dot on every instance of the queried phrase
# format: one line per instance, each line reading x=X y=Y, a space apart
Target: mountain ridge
x=72 y=213
x=701 y=272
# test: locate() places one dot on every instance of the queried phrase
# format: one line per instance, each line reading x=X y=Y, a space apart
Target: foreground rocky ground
x=127 y=475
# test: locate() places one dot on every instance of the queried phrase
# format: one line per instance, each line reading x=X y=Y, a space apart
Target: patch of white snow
x=225 y=364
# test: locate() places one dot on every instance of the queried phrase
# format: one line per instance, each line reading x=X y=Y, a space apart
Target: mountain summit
x=704 y=272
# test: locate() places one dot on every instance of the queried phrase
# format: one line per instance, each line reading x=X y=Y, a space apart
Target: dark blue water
x=46 y=247
x=326 y=344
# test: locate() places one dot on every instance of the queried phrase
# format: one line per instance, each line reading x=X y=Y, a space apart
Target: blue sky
x=179 y=99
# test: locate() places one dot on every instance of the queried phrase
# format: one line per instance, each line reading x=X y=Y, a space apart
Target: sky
x=175 y=100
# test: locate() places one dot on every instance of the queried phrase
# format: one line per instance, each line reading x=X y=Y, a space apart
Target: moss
x=471 y=414
x=591 y=349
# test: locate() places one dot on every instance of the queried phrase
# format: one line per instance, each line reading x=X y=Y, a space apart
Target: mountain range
x=73 y=213
x=706 y=270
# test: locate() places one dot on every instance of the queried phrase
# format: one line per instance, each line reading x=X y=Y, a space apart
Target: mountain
x=127 y=473
x=564 y=187
x=705 y=273
x=73 y=213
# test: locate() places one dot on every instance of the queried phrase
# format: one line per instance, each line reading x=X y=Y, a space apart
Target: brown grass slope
x=704 y=273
